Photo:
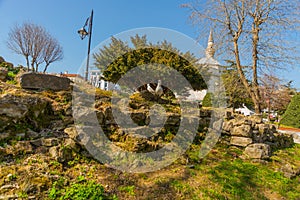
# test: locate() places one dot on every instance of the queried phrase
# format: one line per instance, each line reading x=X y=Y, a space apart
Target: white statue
x=158 y=90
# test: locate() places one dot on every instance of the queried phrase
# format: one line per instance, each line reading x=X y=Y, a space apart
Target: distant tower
x=210 y=50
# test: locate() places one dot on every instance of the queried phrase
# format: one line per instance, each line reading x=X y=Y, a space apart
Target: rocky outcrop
x=56 y=144
x=23 y=109
x=28 y=113
x=44 y=81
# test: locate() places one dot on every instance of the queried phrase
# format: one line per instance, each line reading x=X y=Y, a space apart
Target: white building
x=210 y=71
x=245 y=111
x=96 y=79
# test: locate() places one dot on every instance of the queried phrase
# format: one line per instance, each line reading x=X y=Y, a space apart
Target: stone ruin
x=44 y=81
x=256 y=138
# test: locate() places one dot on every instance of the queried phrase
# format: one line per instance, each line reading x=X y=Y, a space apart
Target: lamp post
x=83 y=33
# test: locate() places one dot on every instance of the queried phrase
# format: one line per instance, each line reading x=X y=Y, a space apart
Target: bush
x=207 y=101
x=12 y=72
x=291 y=116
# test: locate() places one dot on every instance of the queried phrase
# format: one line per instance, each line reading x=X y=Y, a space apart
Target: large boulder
x=3 y=73
x=11 y=107
x=258 y=151
x=240 y=141
x=290 y=170
x=243 y=130
x=44 y=81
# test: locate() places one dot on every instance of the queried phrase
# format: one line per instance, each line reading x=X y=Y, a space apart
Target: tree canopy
x=116 y=59
x=235 y=90
x=291 y=116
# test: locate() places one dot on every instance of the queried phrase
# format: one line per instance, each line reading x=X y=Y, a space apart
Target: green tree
x=117 y=58
x=207 y=100
x=291 y=116
x=235 y=90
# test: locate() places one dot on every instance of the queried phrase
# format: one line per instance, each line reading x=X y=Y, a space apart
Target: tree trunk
x=32 y=66
x=45 y=69
x=37 y=67
x=244 y=79
x=27 y=62
x=255 y=38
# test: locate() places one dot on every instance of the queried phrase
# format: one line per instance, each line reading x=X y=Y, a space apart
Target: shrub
x=291 y=116
x=207 y=100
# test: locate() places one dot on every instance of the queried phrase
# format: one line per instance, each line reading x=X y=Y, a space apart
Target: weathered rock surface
x=44 y=81
x=1 y=59
x=3 y=73
x=289 y=170
x=243 y=130
x=240 y=141
x=61 y=154
x=258 y=151
x=248 y=131
x=15 y=109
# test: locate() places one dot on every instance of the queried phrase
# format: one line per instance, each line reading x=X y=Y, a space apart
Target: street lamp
x=83 y=33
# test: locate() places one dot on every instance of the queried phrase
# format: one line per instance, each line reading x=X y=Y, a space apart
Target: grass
x=128 y=189
x=219 y=175
x=244 y=179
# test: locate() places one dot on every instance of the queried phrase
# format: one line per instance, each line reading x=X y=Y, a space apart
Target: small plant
x=11 y=75
x=12 y=177
x=12 y=82
x=80 y=178
x=180 y=187
x=54 y=192
x=169 y=136
x=22 y=195
x=80 y=190
x=55 y=163
x=128 y=189
x=207 y=101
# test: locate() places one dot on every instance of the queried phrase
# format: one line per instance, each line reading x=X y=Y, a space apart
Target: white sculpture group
x=158 y=90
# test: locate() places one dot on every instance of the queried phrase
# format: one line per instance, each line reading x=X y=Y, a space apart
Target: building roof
x=70 y=75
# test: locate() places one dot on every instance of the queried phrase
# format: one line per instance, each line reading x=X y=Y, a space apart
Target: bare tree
x=19 y=41
x=39 y=37
x=35 y=44
x=275 y=95
x=53 y=52
x=254 y=32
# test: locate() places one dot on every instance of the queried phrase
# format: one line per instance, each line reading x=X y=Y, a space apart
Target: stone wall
x=257 y=138
x=25 y=110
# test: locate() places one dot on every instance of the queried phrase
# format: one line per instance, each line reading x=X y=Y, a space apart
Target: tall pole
x=89 y=46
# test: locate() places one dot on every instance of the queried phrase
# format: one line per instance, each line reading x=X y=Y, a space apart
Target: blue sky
x=62 y=18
